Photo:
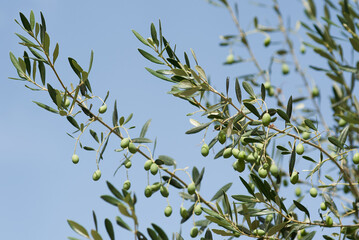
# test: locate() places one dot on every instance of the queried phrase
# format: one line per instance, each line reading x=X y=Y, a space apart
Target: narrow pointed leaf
x=219 y=193
x=150 y=57
x=44 y=106
x=145 y=128
x=78 y=228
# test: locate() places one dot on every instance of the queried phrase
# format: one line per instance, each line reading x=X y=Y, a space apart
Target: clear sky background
x=40 y=187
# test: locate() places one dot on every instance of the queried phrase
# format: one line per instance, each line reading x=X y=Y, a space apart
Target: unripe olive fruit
x=269 y=218
x=258 y=232
x=299 y=149
x=285 y=68
x=271 y=91
x=315 y=92
x=127 y=185
x=267 y=85
x=329 y=221
x=285 y=182
x=242 y=155
x=67 y=102
x=251 y=158
x=342 y=122
x=230 y=58
x=75 y=158
x=239 y=165
x=235 y=152
x=267 y=41
x=102 y=109
x=147 y=165
x=227 y=152
x=96 y=175
x=191 y=188
x=266 y=119
x=168 y=211
x=125 y=142
x=132 y=147
x=154 y=169
x=323 y=206
x=128 y=163
x=197 y=209
x=155 y=187
x=262 y=172
x=274 y=170
x=183 y=212
x=302 y=49
x=194 y=232
x=204 y=150
x=294 y=177
x=356 y=158
x=148 y=191
x=298 y=191
x=164 y=191
x=62 y=113
x=222 y=137
x=306 y=135
x=266 y=165
x=313 y=192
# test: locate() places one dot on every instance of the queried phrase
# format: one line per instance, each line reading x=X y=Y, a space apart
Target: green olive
x=329 y=221
x=154 y=169
x=267 y=41
x=96 y=175
x=127 y=185
x=342 y=122
x=242 y=155
x=164 y=191
x=75 y=158
x=239 y=165
x=205 y=150
x=183 y=212
x=298 y=191
x=313 y=192
x=271 y=91
x=198 y=209
x=235 y=152
x=251 y=158
x=155 y=187
x=274 y=170
x=356 y=158
x=132 y=147
x=285 y=69
x=168 y=211
x=294 y=177
x=262 y=172
x=102 y=109
x=323 y=206
x=227 y=153
x=269 y=218
x=315 y=92
x=267 y=85
x=306 y=135
x=302 y=49
x=230 y=58
x=128 y=164
x=194 y=232
x=191 y=188
x=67 y=103
x=299 y=149
x=266 y=118
x=147 y=165
x=222 y=137
x=258 y=232
x=125 y=142
x=148 y=191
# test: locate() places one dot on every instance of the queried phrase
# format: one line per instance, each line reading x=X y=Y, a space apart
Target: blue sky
x=41 y=188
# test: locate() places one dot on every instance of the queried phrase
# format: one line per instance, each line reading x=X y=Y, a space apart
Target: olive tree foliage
x=264 y=138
